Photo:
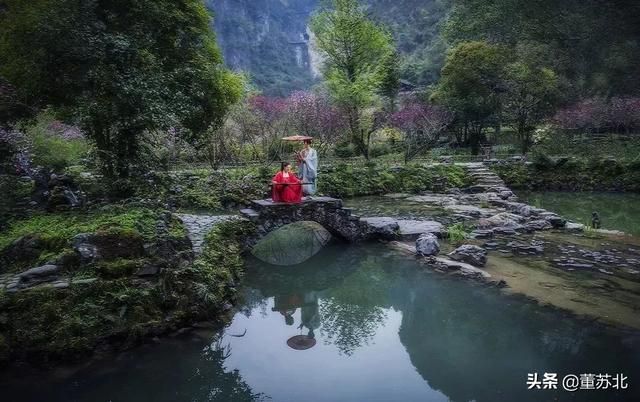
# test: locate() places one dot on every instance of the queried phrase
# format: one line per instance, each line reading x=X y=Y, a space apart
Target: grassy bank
x=571 y=174
x=117 y=308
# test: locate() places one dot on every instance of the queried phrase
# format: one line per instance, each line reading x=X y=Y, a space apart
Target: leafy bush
x=457 y=233
x=380 y=149
x=54 y=144
x=345 y=150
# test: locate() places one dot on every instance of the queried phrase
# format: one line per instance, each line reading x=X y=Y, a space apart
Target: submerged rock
x=471 y=254
x=292 y=244
x=532 y=248
x=427 y=245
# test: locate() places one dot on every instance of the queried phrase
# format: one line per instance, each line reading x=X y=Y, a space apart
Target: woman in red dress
x=286 y=186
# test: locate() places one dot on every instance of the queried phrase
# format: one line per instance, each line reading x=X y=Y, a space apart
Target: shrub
x=54 y=144
x=344 y=150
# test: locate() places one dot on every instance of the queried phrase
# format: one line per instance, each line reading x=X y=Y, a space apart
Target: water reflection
x=465 y=341
x=347 y=295
x=619 y=211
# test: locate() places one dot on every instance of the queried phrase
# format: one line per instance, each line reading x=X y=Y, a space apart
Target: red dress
x=286 y=189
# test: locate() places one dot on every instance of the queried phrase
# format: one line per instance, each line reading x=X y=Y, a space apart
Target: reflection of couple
x=308 y=304
x=287 y=187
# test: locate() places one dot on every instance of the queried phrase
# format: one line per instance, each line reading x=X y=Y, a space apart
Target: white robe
x=309 y=171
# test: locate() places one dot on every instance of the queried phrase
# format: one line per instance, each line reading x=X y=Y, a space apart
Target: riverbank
x=79 y=283
x=109 y=276
x=570 y=174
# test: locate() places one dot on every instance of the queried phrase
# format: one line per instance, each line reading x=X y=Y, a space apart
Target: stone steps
x=199 y=225
x=484 y=181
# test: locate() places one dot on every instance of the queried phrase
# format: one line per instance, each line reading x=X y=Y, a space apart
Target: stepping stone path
x=486 y=181
x=199 y=225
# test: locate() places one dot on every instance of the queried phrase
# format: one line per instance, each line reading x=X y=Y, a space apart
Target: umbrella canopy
x=297 y=138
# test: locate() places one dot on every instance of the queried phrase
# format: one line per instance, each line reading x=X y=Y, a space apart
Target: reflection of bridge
x=328 y=212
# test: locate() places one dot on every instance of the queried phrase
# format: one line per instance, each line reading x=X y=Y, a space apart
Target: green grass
x=57 y=229
x=457 y=233
x=52 y=233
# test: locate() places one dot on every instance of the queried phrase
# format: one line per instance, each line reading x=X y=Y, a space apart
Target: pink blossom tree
x=422 y=125
x=313 y=115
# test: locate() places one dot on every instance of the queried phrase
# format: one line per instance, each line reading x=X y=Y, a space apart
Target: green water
x=385 y=329
x=619 y=211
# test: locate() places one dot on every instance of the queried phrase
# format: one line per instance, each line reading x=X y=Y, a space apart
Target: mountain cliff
x=269 y=39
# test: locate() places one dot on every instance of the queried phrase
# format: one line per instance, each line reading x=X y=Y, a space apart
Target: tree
x=602 y=64
x=390 y=83
x=119 y=68
x=354 y=48
x=531 y=93
x=471 y=85
x=421 y=125
x=313 y=115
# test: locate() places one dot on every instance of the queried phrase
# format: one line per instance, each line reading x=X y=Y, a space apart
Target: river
x=375 y=325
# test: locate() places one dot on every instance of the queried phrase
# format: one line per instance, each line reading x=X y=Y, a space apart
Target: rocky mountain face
x=269 y=39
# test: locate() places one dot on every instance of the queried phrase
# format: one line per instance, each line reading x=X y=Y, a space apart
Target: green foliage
x=52 y=233
x=574 y=174
x=57 y=229
x=49 y=324
x=119 y=69
x=531 y=93
x=344 y=150
x=471 y=86
x=207 y=281
x=355 y=50
x=348 y=181
x=457 y=233
x=559 y=34
x=52 y=150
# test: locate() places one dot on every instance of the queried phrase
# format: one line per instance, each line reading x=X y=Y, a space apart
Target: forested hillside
x=594 y=45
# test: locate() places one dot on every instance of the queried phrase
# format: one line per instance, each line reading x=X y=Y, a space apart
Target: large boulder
x=503 y=219
x=427 y=245
x=25 y=249
x=292 y=244
x=471 y=254
x=108 y=245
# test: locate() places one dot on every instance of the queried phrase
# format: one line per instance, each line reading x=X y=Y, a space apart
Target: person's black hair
x=284 y=165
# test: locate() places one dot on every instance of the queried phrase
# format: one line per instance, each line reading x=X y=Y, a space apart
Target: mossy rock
x=118 y=268
x=292 y=244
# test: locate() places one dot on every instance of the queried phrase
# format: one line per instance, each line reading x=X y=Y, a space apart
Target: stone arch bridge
x=328 y=212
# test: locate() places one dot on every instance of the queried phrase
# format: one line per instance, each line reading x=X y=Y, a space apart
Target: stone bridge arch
x=328 y=212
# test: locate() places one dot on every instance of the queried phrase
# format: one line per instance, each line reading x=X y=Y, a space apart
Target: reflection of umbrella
x=301 y=342
x=297 y=138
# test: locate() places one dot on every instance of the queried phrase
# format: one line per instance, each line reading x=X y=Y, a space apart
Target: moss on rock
x=119 y=309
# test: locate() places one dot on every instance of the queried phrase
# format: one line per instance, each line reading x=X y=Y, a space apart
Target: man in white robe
x=308 y=168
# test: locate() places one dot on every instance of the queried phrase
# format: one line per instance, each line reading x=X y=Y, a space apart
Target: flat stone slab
x=412 y=229
x=471 y=210
x=268 y=203
x=463 y=267
x=435 y=199
x=383 y=226
x=39 y=272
